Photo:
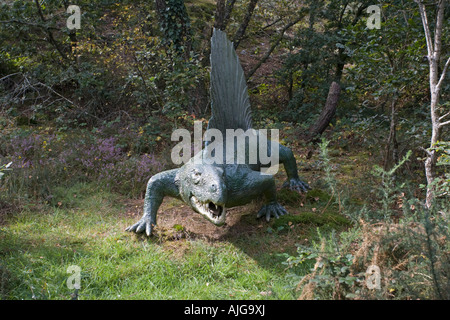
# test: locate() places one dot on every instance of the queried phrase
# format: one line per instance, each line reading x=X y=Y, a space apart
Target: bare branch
x=51 y=39
x=10 y=75
x=271 y=23
x=59 y=95
x=441 y=79
x=28 y=24
x=443 y=117
x=426 y=28
x=438 y=28
x=444 y=123
x=274 y=45
x=426 y=151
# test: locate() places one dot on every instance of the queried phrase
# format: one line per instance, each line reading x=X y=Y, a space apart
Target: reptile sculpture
x=209 y=188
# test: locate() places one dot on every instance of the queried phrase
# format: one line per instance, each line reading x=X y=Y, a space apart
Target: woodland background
x=86 y=117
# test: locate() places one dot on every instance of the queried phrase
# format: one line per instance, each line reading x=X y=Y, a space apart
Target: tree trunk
x=341 y=55
x=219 y=18
x=160 y=8
x=228 y=9
x=391 y=143
x=327 y=112
x=176 y=29
x=241 y=31
x=434 y=54
x=431 y=159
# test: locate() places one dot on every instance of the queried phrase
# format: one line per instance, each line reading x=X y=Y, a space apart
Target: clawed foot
x=271 y=210
x=296 y=184
x=145 y=224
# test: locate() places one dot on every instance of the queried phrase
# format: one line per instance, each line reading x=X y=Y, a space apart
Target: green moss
x=294 y=199
x=334 y=153
x=317 y=195
x=289 y=197
x=327 y=219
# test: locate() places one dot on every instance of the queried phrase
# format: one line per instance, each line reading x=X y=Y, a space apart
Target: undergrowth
x=397 y=249
x=44 y=160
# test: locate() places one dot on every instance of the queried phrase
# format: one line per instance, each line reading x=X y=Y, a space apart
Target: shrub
x=400 y=237
x=43 y=160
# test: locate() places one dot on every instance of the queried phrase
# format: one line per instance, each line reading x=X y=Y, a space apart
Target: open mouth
x=211 y=211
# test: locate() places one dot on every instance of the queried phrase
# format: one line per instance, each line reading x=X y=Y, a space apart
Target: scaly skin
x=226 y=186
x=211 y=188
x=158 y=187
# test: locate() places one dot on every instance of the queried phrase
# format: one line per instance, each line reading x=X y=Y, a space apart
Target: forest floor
x=186 y=258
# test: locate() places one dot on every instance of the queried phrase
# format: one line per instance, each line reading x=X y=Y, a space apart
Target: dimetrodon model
x=211 y=187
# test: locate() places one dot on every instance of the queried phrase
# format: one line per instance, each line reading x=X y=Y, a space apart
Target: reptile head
x=203 y=188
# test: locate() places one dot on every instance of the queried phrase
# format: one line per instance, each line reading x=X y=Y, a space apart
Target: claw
x=261 y=212
x=148 y=230
x=132 y=228
x=271 y=210
x=296 y=184
x=140 y=226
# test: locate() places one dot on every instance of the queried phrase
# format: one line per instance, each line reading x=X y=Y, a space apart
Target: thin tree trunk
x=434 y=55
x=228 y=9
x=327 y=113
x=223 y=13
x=51 y=38
x=219 y=17
x=272 y=47
x=291 y=85
x=241 y=31
x=391 y=143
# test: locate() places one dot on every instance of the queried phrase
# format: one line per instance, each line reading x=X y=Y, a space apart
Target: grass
x=36 y=248
x=187 y=258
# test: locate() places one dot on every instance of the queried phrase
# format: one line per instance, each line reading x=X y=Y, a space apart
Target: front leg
x=290 y=165
x=160 y=185
x=272 y=208
x=286 y=157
